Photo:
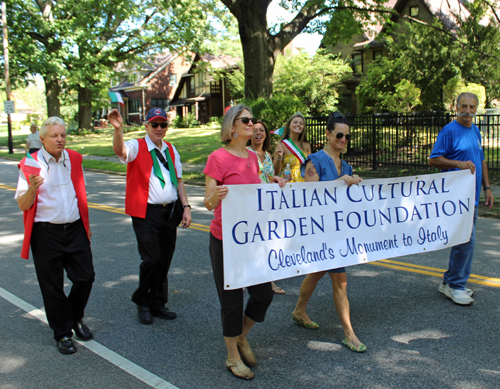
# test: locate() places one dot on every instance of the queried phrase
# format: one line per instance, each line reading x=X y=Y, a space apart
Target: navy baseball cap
x=155 y=113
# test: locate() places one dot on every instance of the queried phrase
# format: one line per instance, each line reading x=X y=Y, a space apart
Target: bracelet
x=210 y=201
x=186 y=206
x=485 y=189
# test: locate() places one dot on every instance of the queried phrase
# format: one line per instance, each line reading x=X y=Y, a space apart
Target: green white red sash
x=298 y=153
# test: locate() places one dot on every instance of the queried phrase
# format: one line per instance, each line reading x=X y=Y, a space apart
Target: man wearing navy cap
x=154 y=184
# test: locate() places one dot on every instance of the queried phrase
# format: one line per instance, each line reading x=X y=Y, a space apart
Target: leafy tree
x=262 y=43
x=429 y=56
x=314 y=80
x=75 y=45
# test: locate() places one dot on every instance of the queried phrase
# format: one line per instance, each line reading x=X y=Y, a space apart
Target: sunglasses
x=339 y=135
x=162 y=125
x=246 y=120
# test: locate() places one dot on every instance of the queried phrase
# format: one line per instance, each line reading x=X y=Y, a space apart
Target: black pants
x=156 y=235
x=231 y=301
x=56 y=249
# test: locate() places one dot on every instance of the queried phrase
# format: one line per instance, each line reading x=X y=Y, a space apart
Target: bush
x=188 y=121
x=215 y=121
x=277 y=110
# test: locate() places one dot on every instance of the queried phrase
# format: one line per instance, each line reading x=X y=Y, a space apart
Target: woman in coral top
x=234 y=164
x=293 y=148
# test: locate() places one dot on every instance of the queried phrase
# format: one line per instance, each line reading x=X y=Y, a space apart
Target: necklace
x=241 y=156
x=338 y=164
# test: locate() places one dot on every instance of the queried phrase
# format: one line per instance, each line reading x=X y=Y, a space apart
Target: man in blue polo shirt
x=458 y=146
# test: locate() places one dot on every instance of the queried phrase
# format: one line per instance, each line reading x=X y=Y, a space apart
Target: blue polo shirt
x=461 y=143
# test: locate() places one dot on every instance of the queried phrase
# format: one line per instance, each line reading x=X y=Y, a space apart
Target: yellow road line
x=409 y=267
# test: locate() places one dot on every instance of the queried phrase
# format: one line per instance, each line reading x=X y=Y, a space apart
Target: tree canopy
x=75 y=45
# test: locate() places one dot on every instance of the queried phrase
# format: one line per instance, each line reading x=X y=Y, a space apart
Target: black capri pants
x=231 y=301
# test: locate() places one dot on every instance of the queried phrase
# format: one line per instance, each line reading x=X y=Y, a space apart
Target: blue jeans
x=461 y=261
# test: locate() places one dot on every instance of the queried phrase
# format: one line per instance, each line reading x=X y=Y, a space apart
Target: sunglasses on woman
x=246 y=120
x=340 y=135
x=162 y=125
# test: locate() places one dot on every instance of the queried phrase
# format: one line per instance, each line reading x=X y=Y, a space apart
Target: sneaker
x=459 y=297
x=442 y=287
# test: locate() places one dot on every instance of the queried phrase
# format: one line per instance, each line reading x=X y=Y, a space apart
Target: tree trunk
x=259 y=55
x=52 y=90
x=85 y=108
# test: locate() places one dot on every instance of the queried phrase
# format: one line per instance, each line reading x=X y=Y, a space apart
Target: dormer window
x=414 y=11
x=172 y=80
x=115 y=81
x=132 y=78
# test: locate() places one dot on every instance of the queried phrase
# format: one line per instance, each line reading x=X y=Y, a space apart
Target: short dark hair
x=333 y=119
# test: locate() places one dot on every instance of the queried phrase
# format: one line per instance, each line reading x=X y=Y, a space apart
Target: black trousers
x=156 y=235
x=231 y=301
x=56 y=249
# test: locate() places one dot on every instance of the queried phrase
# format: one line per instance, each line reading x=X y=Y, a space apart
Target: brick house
x=150 y=83
x=365 y=49
x=203 y=89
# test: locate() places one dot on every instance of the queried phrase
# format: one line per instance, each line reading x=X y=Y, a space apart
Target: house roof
x=445 y=10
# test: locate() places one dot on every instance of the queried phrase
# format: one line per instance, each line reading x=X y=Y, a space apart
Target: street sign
x=8 y=107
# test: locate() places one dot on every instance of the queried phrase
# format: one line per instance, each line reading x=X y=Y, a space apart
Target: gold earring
x=344 y=150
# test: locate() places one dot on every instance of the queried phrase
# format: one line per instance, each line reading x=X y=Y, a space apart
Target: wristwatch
x=186 y=206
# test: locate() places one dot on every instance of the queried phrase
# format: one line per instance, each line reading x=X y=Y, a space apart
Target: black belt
x=162 y=206
x=63 y=226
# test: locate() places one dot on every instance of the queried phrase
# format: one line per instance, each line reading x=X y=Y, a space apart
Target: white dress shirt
x=157 y=194
x=57 y=202
x=34 y=141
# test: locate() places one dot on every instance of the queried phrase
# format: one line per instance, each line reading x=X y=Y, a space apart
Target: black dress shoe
x=163 y=313
x=66 y=345
x=144 y=314
x=82 y=331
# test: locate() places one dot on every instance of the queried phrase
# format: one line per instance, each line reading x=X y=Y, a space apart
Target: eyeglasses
x=246 y=120
x=162 y=125
x=340 y=135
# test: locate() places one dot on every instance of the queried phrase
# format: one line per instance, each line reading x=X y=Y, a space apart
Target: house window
x=115 y=81
x=357 y=63
x=414 y=11
x=172 y=80
x=377 y=54
x=133 y=105
x=160 y=103
x=191 y=85
x=132 y=78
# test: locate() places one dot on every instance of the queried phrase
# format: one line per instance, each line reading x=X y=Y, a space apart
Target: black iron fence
x=402 y=140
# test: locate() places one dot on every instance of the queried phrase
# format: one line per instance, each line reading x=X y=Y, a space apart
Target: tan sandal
x=277 y=289
x=239 y=370
x=247 y=355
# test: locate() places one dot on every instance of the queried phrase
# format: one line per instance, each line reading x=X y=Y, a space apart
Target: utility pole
x=7 y=78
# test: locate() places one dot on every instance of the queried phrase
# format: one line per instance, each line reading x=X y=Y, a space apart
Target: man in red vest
x=51 y=193
x=156 y=200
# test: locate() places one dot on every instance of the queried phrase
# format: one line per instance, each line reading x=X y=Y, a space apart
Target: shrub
x=188 y=121
x=276 y=110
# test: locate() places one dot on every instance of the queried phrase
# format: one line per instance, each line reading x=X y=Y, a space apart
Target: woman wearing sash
x=233 y=164
x=259 y=144
x=293 y=148
x=326 y=165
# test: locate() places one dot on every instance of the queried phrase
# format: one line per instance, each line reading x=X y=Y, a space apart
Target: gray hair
x=470 y=94
x=52 y=121
x=229 y=118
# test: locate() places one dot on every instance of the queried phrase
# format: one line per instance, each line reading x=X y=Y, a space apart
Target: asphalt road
x=416 y=338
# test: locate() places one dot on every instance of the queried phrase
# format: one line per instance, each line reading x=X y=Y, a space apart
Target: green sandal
x=361 y=348
x=311 y=326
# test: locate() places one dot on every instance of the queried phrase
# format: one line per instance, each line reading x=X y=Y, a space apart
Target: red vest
x=81 y=195
x=138 y=174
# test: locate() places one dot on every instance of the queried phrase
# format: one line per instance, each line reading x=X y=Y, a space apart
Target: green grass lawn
x=193 y=144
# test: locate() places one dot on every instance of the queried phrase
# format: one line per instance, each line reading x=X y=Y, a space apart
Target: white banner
x=271 y=233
